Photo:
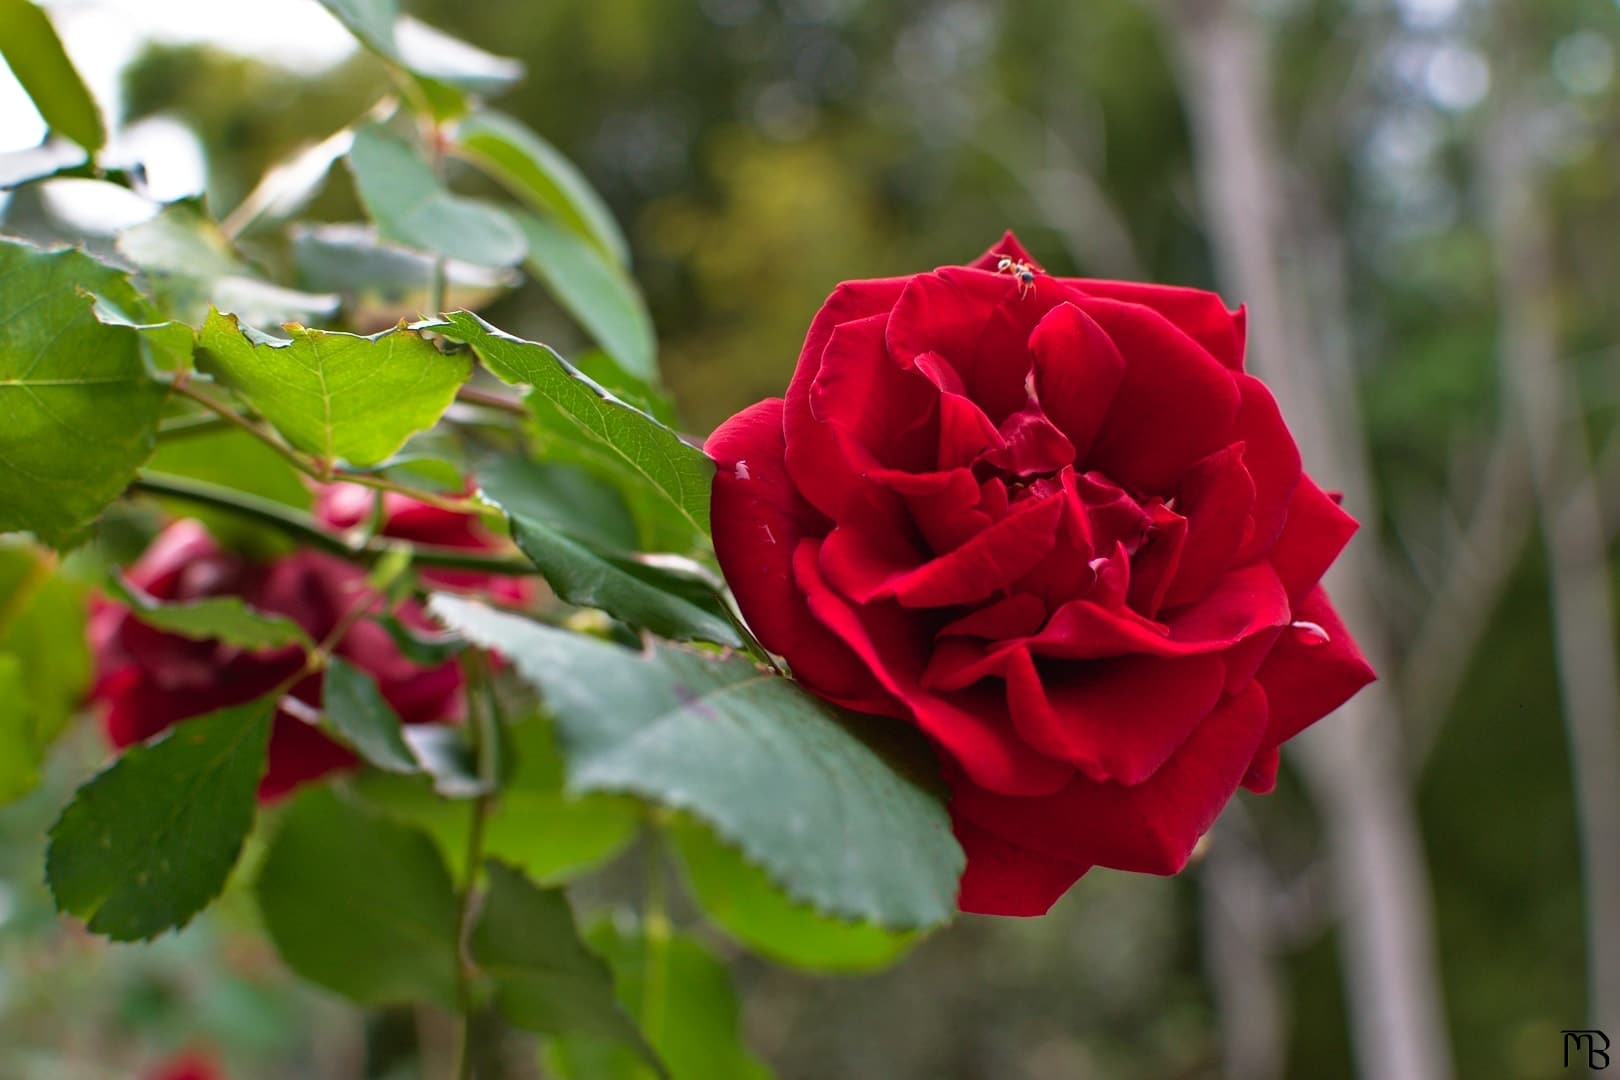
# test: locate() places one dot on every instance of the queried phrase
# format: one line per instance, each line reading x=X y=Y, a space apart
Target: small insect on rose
x=1018 y=268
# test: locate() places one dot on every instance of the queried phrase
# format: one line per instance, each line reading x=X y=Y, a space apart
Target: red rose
x=1054 y=524
x=149 y=680
x=191 y=1065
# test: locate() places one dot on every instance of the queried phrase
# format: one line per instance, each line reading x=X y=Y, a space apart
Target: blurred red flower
x=148 y=680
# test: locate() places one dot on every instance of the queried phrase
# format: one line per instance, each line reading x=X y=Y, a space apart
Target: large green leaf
x=42 y=625
x=36 y=57
x=793 y=783
x=643 y=596
x=681 y=995
x=215 y=618
x=740 y=899
x=411 y=206
x=545 y=979
x=337 y=396
x=550 y=835
x=535 y=171
x=594 y=291
x=77 y=408
x=148 y=842
x=360 y=904
x=651 y=457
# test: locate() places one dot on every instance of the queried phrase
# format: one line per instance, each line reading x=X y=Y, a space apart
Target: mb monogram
x=1586 y=1042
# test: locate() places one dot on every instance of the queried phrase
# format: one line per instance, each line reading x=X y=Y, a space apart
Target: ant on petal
x=1018 y=268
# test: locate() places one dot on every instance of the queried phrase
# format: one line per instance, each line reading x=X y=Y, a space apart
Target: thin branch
x=305 y=530
x=489 y=399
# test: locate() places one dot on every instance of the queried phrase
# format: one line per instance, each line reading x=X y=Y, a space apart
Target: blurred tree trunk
x=1546 y=405
x=1352 y=761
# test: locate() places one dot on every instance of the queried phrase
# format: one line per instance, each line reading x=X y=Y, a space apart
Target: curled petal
x=1004 y=879
x=759 y=521
x=1148 y=828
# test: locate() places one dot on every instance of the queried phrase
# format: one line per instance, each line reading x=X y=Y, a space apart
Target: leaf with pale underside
x=825 y=803
x=597 y=293
x=340 y=397
x=412 y=207
x=536 y=172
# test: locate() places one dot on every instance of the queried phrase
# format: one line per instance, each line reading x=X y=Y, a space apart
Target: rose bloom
x=148 y=679
x=1055 y=525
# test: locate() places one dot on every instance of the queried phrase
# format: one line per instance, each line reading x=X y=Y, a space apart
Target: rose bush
x=1057 y=527
x=148 y=679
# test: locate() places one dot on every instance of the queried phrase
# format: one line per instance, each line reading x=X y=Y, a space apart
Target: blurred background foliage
x=760 y=151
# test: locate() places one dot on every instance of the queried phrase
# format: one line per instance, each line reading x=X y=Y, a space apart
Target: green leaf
x=167 y=346
x=595 y=292
x=442 y=66
x=193 y=264
x=690 y=1015
x=436 y=57
x=643 y=596
x=42 y=624
x=337 y=396
x=36 y=57
x=372 y=21
x=601 y=369
x=548 y=834
x=740 y=899
x=545 y=979
x=360 y=716
x=650 y=455
x=359 y=904
x=411 y=206
x=562 y=497
x=77 y=409
x=381 y=283
x=150 y=840
x=19 y=753
x=418 y=647
x=214 y=618
x=535 y=171
x=793 y=783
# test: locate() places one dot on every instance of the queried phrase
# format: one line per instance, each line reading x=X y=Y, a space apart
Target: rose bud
x=1055 y=525
x=148 y=679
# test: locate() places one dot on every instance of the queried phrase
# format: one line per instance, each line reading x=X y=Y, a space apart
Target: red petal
x=1175 y=404
x=1007 y=248
x=758 y=521
x=1317 y=530
x=1307 y=678
x=300 y=753
x=1216 y=498
x=1004 y=879
x=972 y=728
x=1200 y=315
x=1272 y=458
x=868 y=564
x=1149 y=828
x=850 y=301
x=1115 y=720
x=1078 y=370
